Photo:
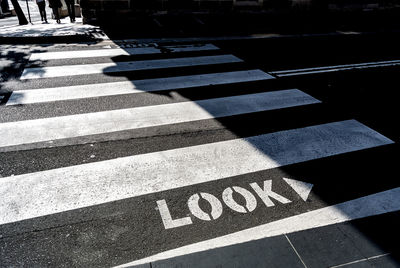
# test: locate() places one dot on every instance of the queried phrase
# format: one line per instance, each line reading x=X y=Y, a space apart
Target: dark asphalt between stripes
x=123 y=231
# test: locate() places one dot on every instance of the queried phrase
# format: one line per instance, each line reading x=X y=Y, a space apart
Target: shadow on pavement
x=232 y=23
x=328 y=175
x=338 y=93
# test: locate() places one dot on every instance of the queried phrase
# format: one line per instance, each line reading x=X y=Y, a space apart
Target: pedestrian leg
x=44 y=12
x=56 y=14
x=40 y=11
x=71 y=9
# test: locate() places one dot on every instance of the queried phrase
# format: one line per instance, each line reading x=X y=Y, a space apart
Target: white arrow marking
x=303 y=189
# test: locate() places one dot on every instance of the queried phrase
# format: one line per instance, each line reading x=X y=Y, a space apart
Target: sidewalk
x=38 y=32
x=33 y=11
x=198 y=27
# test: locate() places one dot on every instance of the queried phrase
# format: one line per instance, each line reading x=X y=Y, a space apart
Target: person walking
x=55 y=5
x=42 y=9
x=71 y=9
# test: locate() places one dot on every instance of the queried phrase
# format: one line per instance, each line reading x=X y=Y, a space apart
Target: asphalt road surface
x=242 y=153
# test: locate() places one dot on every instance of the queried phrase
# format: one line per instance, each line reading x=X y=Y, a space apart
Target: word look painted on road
x=265 y=193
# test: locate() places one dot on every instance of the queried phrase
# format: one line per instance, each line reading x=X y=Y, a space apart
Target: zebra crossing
x=128 y=188
x=149 y=116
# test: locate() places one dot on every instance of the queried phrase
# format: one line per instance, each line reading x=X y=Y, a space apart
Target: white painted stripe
x=47 y=129
x=131 y=87
x=70 y=70
x=371 y=205
x=335 y=68
x=189 y=48
x=47 y=192
x=77 y=54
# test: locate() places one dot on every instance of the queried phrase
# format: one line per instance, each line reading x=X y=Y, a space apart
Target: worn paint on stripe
x=47 y=129
x=47 y=192
x=371 y=205
x=85 y=69
x=110 y=52
x=135 y=86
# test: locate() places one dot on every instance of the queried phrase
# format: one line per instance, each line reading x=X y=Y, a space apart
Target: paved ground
x=38 y=31
x=283 y=22
x=33 y=11
x=246 y=152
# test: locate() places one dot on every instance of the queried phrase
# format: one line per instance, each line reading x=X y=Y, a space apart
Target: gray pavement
x=33 y=11
x=37 y=31
x=306 y=185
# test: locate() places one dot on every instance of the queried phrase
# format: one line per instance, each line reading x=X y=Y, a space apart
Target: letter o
x=251 y=201
x=216 y=207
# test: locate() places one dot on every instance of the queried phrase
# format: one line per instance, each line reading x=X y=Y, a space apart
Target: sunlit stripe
x=113 y=52
x=135 y=86
x=47 y=129
x=84 y=69
x=47 y=192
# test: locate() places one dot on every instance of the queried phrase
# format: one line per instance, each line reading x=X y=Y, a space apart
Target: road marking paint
x=190 y=48
x=266 y=193
x=38 y=194
x=167 y=219
x=303 y=189
x=113 y=52
x=85 y=69
x=216 y=205
x=251 y=201
x=135 y=86
x=335 y=68
x=47 y=129
x=371 y=205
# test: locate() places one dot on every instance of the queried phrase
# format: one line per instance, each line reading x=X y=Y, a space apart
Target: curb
x=48 y=39
x=167 y=40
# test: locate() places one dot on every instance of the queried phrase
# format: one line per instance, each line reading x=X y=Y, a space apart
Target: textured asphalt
x=122 y=231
